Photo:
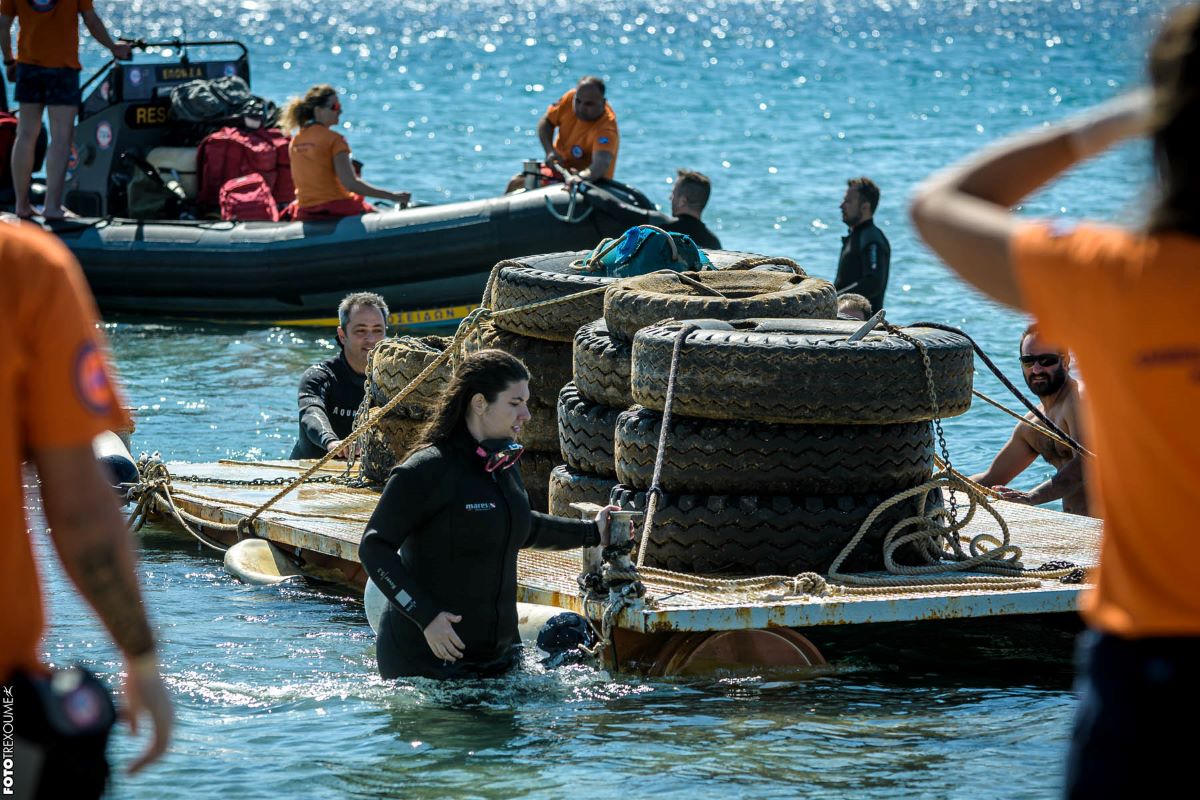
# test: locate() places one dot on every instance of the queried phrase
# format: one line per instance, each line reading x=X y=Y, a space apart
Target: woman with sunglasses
x=1100 y=290
x=442 y=543
x=327 y=185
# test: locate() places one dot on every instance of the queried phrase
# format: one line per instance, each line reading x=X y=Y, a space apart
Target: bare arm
x=6 y=37
x=545 y=132
x=601 y=161
x=1066 y=481
x=343 y=165
x=962 y=212
x=95 y=547
x=1013 y=459
x=99 y=32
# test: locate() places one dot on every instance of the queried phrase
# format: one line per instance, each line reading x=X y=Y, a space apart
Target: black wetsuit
x=696 y=229
x=457 y=530
x=632 y=215
x=330 y=393
x=863 y=266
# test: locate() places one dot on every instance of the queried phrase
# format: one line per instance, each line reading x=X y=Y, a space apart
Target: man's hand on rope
x=337 y=448
x=442 y=639
x=1014 y=495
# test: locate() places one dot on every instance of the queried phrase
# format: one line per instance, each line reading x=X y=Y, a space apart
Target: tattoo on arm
x=115 y=597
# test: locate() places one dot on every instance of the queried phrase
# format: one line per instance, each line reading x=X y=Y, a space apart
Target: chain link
x=937 y=413
x=282 y=480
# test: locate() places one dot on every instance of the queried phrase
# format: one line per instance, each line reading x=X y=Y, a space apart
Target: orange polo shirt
x=1122 y=301
x=577 y=140
x=49 y=34
x=55 y=391
x=311 y=152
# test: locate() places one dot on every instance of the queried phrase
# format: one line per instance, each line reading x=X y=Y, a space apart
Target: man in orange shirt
x=1100 y=290
x=55 y=396
x=588 y=139
x=46 y=76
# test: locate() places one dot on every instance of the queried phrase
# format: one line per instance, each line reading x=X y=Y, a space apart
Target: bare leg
x=29 y=125
x=62 y=131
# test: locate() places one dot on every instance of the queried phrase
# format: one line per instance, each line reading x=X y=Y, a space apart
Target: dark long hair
x=1175 y=75
x=486 y=372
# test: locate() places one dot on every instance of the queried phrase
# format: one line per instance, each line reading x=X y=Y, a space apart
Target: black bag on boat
x=217 y=103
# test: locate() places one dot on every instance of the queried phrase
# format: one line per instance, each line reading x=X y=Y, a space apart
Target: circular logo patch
x=104 y=135
x=43 y=5
x=135 y=77
x=577 y=151
x=91 y=379
x=105 y=90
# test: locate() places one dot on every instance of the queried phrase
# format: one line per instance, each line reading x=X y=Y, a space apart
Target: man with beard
x=866 y=254
x=1047 y=373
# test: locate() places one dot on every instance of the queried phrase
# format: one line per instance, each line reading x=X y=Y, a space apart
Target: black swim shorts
x=49 y=86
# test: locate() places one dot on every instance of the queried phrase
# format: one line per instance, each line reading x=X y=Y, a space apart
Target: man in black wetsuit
x=330 y=392
x=688 y=199
x=866 y=254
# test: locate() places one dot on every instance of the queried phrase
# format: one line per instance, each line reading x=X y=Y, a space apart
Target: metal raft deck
x=329 y=519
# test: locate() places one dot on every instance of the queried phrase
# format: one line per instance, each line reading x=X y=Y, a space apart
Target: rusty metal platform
x=330 y=519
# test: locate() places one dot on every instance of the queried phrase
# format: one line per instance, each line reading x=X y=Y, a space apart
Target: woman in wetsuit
x=327 y=185
x=442 y=544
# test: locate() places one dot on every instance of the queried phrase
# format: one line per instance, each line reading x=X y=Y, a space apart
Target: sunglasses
x=336 y=105
x=503 y=458
x=1044 y=360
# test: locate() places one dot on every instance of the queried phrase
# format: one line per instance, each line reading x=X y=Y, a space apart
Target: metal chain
x=282 y=480
x=936 y=408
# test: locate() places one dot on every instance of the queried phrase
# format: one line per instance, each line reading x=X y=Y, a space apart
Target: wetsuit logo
x=91 y=380
x=480 y=506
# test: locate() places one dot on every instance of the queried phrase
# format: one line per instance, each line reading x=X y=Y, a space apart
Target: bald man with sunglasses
x=1047 y=374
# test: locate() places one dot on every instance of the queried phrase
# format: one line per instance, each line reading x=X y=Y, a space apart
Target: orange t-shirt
x=55 y=391
x=49 y=30
x=578 y=140
x=311 y=152
x=1122 y=302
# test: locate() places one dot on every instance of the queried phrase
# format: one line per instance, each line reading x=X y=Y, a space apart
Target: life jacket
x=233 y=152
x=248 y=198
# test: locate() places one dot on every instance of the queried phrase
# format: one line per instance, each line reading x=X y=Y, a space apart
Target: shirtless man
x=1047 y=373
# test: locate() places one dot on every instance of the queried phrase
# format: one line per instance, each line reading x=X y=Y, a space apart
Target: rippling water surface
x=779 y=102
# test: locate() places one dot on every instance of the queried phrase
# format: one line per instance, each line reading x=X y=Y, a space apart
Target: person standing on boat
x=442 y=543
x=1047 y=371
x=45 y=74
x=327 y=185
x=1100 y=290
x=587 y=137
x=56 y=395
x=866 y=254
x=331 y=392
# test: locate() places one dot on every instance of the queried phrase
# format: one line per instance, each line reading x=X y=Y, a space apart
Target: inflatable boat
x=430 y=262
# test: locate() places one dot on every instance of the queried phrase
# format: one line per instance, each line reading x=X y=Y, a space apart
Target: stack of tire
x=590 y=407
x=784 y=437
x=392 y=365
x=541 y=338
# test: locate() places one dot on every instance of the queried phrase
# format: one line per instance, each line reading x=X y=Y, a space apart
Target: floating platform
x=320 y=525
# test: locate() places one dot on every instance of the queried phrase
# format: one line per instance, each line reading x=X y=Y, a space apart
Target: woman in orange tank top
x=327 y=185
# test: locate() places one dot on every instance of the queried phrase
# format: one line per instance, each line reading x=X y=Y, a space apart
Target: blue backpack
x=644 y=249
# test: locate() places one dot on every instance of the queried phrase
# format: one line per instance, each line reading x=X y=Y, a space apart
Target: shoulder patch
x=91 y=379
